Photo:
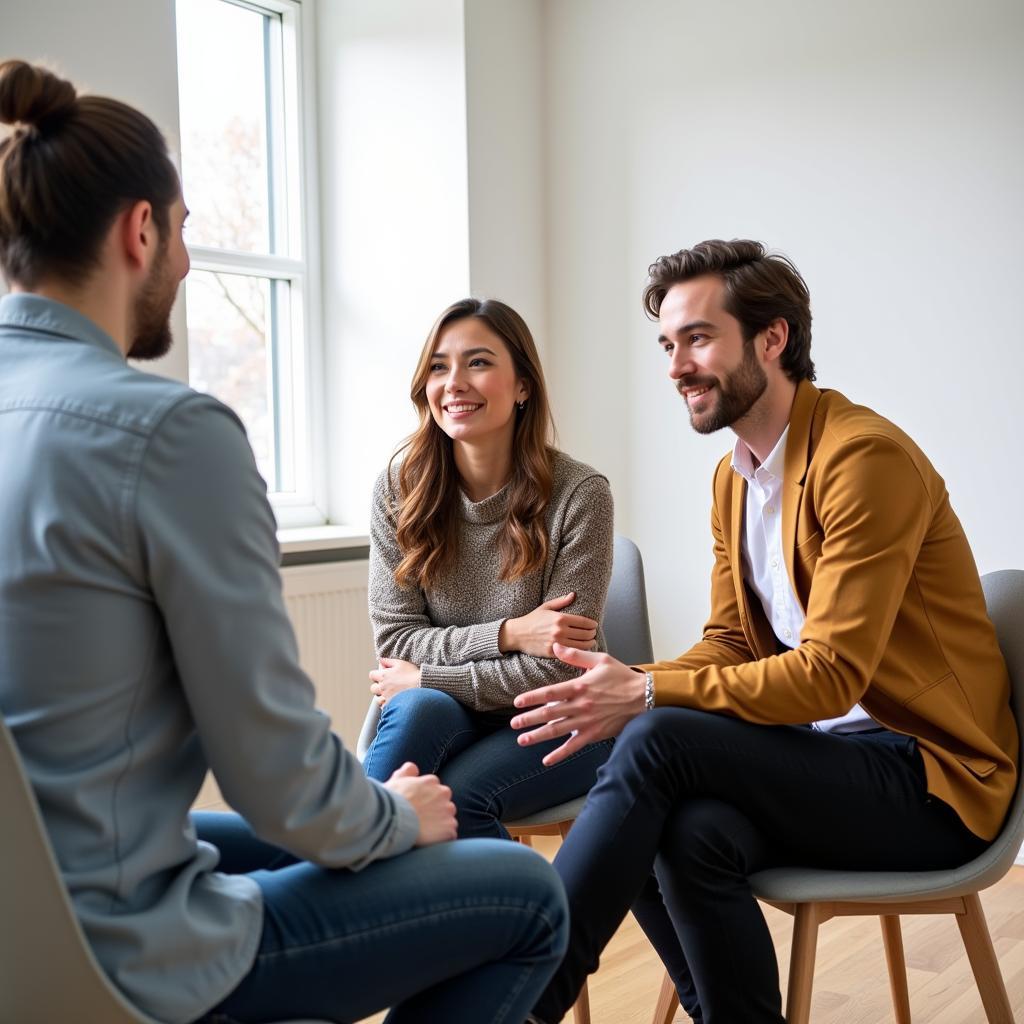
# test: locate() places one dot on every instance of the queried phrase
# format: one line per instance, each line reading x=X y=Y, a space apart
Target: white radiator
x=327 y=606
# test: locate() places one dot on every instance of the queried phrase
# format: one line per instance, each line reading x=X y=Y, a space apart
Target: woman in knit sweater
x=487 y=545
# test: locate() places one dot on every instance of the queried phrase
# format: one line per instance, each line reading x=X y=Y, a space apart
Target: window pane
x=224 y=89
x=232 y=323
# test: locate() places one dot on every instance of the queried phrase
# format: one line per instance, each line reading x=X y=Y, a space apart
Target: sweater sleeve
x=401 y=626
x=583 y=564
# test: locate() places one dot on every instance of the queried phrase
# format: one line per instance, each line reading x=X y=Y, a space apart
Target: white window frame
x=292 y=147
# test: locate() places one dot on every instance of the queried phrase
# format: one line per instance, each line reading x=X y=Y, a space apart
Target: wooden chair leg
x=525 y=839
x=668 y=1002
x=892 y=936
x=581 y=1008
x=801 y=963
x=982 y=955
x=563 y=828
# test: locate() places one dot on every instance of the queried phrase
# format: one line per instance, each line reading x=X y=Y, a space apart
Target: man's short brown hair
x=759 y=287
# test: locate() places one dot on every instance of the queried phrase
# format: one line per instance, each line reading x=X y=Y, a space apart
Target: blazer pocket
x=979 y=767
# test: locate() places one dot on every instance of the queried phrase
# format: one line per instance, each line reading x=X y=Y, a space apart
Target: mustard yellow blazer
x=895 y=615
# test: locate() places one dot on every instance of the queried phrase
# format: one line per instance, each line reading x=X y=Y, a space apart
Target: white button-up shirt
x=764 y=563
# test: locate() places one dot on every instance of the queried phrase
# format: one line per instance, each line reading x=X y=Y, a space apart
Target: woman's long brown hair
x=427 y=503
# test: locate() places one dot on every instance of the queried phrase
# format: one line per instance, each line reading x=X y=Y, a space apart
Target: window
x=246 y=174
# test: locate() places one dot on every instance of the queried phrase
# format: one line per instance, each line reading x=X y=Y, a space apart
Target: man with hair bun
x=143 y=640
x=847 y=706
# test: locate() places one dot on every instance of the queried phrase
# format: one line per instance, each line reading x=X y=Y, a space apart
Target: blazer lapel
x=756 y=627
x=798 y=455
x=739 y=500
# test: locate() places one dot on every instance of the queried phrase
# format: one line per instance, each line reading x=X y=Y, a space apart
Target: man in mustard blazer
x=847 y=705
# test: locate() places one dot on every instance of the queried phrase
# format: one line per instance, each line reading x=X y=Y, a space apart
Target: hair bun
x=32 y=95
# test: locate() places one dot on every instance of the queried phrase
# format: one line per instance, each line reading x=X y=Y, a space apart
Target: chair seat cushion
x=811 y=885
x=550 y=815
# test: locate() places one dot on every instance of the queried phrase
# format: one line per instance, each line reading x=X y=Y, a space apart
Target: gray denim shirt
x=143 y=639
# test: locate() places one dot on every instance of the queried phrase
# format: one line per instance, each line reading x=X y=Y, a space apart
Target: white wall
x=432 y=183
x=394 y=223
x=505 y=156
x=880 y=145
x=119 y=48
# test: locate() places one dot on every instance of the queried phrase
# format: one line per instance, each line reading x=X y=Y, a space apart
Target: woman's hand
x=546 y=625
x=392 y=676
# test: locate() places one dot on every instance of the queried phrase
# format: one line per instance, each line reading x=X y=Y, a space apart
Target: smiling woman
x=488 y=545
x=473 y=392
x=440 y=456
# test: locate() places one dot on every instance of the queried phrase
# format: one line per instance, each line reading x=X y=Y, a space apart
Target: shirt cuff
x=406 y=828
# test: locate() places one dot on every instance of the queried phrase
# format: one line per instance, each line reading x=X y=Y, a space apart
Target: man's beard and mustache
x=152 y=313
x=736 y=394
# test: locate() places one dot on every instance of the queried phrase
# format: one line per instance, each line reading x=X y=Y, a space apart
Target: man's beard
x=735 y=394
x=152 y=313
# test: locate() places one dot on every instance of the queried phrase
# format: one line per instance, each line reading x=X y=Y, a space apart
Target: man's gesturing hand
x=431 y=801
x=591 y=708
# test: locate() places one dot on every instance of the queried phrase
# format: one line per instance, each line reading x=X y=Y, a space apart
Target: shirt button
x=770 y=509
x=788 y=634
x=775 y=563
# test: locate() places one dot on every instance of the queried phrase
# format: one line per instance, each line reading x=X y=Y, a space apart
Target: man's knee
x=657 y=731
x=521 y=879
x=644 y=727
x=705 y=835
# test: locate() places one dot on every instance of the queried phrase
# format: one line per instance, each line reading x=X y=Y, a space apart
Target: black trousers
x=690 y=804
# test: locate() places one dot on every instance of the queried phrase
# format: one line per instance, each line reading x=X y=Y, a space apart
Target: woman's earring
x=521 y=405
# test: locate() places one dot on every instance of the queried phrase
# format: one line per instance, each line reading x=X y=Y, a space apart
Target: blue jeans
x=492 y=778
x=453 y=932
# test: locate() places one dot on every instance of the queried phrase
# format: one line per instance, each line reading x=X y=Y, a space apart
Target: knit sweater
x=451 y=630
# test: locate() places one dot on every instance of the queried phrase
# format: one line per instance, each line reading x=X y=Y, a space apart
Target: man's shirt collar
x=773 y=467
x=28 y=312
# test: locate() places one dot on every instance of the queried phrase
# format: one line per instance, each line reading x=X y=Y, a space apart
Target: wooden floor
x=850 y=983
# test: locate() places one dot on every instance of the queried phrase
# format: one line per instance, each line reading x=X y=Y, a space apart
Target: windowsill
x=296 y=540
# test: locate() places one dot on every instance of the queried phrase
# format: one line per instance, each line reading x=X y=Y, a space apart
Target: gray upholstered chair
x=47 y=970
x=815 y=896
x=627 y=633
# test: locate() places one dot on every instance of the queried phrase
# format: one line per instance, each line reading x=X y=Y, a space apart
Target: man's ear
x=776 y=335
x=138 y=233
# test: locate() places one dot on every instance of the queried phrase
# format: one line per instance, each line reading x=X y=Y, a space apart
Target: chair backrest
x=1004 y=598
x=47 y=971
x=627 y=629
